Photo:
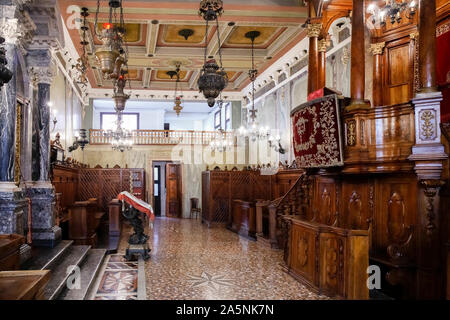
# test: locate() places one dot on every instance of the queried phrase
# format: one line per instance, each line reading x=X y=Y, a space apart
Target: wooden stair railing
x=295 y=202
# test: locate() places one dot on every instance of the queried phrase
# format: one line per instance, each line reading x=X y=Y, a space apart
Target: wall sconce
x=81 y=140
x=275 y=143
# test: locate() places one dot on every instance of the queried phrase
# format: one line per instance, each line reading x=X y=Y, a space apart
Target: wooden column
x=322 y=48
x=313 y=70
x=427 y=45
x=357 y=81
x=377 y=51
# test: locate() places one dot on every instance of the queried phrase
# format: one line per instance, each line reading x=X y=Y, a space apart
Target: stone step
x=90 y=268
x=72 y=257
x=45 y=258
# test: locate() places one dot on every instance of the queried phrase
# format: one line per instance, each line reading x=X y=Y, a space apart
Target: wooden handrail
x=160 y=137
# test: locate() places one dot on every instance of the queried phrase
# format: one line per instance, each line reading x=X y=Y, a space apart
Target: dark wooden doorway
x=173 y=187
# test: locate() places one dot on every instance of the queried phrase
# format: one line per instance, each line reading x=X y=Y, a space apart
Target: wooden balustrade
x=160 y=137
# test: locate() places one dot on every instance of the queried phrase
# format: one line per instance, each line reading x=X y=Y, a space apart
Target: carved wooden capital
x=377 y=48
x=414 y=35
x=323 y=45
x=314 y=29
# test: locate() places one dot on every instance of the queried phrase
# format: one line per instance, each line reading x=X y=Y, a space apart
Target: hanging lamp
x=213 y=78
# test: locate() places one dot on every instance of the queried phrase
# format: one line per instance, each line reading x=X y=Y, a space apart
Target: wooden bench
x=85 y=219
x=329 y=260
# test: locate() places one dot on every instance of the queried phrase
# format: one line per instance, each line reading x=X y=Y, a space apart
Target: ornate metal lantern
x=177 y=98
x=213 y=78
x=112 y=34
x=5 y=73
x=120 y=98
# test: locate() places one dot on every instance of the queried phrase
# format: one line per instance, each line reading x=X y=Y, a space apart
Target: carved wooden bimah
x=138 y=241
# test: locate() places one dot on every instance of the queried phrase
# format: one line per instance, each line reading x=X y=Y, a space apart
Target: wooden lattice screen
x=220 y=188
x=106 y=184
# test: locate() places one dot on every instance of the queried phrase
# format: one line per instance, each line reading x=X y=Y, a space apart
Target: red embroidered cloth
x=317 y=133
x=138 y=204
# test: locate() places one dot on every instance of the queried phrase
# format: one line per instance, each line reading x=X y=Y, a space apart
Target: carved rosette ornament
x=377 y=48
x=313 y=29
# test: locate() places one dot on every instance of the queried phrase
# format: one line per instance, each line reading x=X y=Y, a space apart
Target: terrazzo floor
x=190 y=261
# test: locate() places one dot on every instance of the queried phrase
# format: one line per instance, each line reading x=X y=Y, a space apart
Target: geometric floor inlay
x=212 y=281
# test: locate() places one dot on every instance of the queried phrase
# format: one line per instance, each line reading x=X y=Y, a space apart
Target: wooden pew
x=329 y=260
x=84 y=222
x=243 y=219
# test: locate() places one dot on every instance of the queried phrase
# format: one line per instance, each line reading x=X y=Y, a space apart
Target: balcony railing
x=160 y=137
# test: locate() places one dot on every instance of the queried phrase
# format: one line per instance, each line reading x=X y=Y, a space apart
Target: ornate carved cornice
x=313 y=29
x=42 y=74
x=377 y=48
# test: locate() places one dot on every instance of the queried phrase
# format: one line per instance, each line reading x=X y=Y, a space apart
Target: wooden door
x=173 y=187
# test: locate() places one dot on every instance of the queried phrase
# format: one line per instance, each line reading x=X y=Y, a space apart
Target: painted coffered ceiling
x=155 y=44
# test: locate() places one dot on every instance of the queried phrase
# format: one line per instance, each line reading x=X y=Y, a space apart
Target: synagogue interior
x=224 y=150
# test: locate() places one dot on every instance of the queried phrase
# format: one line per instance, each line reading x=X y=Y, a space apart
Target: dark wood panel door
x=173 y=187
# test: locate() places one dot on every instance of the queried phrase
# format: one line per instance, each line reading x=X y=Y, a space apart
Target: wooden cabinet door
x=173 y=190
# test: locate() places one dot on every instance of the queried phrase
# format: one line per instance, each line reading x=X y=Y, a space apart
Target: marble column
x=357 y=74
x=322 y=48
x=377 y=51
x=42 y=194
x=12 y=202
x=313 y=30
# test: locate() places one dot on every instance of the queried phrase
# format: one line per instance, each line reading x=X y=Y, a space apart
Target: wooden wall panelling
x=356 y=204
x=325 y=210
x=398 y=79
x=395 y=230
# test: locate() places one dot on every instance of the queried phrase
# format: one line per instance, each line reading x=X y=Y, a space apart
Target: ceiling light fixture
x=177 y=98
x=83 y=62
x=213 y=78
x=254 y=132
x=186 y=33
x=112 y=36
x=393 y=10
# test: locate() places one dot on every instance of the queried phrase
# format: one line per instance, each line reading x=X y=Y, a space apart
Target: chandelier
x=83 y=62
x=177 y=98
x=5 y=73
x=213 y=78
x=109 y=55
x=254 y=132
x=121 y=139
x=393 y=10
